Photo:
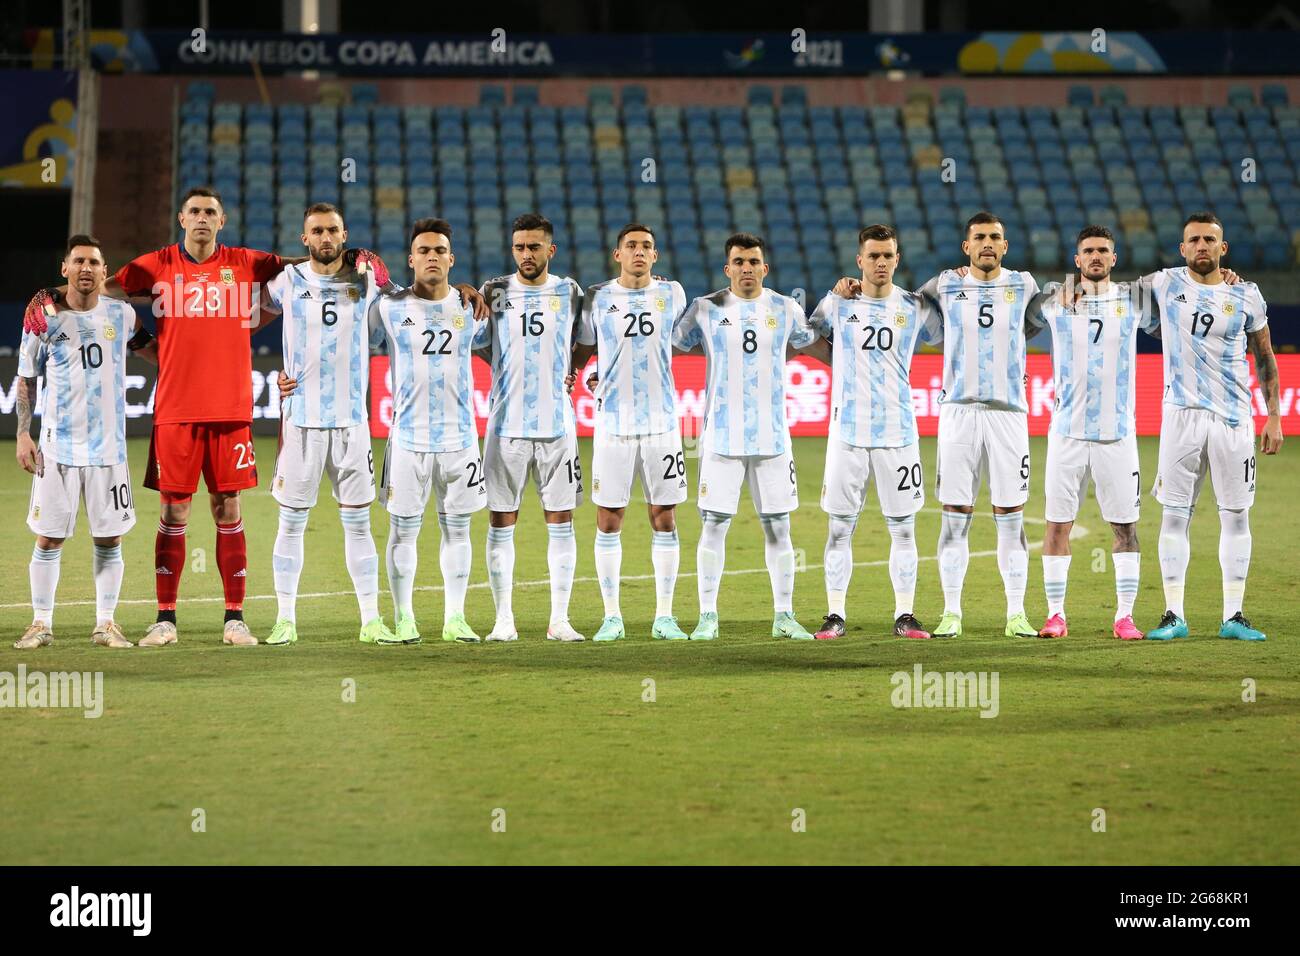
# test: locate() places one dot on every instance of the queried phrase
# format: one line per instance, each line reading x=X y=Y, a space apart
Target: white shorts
x=617 y=459
x=899 y=485
x=57 y=495
x=975 y=441
x=1115 y=473
x=553 y=463
x=306 y=453
x=772 y=483
x=1193 y=440
x=454 y=478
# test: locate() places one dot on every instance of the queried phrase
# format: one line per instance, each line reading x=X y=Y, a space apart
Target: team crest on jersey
x=660 y=304
x=110 y=332
x=354 y=293
x=771 y=321
x=228 y=276
x=1119 y=308
x=1228 y=308
x=1011 y=295
x=900 y=319
x=458 y=322
x=555 y=303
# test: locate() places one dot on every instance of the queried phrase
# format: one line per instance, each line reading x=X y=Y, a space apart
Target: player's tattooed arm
x=1261 y=346
x=29 y=456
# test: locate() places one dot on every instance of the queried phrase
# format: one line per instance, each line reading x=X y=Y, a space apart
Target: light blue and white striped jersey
x=325 y=335
x=1094 y=365
x=632 y=331
x=984 y=336
x=872 y=341
x=83 y=358
x=744 y=341
x=430 y=364
x=1204 y=329
x=530 y=333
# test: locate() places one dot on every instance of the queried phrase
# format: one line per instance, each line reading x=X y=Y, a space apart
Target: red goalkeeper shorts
x=221 y=451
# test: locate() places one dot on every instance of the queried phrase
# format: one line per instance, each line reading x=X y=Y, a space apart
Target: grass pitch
x=446 y=744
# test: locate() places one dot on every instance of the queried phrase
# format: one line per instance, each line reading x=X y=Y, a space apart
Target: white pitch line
x=1077 y=532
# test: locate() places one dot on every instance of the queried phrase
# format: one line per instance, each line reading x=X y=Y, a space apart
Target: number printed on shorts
x=676 y=466
x=909 y=476
x=244 y=457
x=121 y=496
x=1249 y=466
x=1024 y=467
x=475 y=478
x=370 y=462
x=749 y=341
x=793 y=482
x=574 y=468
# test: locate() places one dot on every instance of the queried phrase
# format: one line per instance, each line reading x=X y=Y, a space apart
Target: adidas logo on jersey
x=507 y=305
x=852 y=320
x=1180 y=298
x=612 y=308
x=725 y=321
x=961 y=296
x=63 y=337
x=407 y=321
x=306 y=294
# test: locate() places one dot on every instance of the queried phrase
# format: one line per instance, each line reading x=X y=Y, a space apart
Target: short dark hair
x=532 y=220
x=321 y=207
x=440 y=226
x=878 y=232
x=207 y=191
x=1207 y=217
x=632 y=227
x=1095 y=232
x=81 y=239
x=981 y=218
x=744 y=240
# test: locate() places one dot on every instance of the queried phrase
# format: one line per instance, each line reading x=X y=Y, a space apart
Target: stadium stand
x=805 y=177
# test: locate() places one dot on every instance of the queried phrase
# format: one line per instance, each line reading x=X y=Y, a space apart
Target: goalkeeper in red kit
x=203 y=297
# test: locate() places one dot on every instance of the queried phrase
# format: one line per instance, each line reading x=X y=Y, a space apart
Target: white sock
x=401 y=560
x=838 y=560
x=954 y=556
x=665 y=556
x=1234 y=557
x=44 y=571
x=711 y=557
x=362 y=560
x=1128 y=566
x=454 y=556
x=902 y=562
x=1013 y=559
x=286 y=560
x=501 y=569
x=778 y=550
x=1056 y=573
x=609 y=563
x=108 y=568
x=1175 y=550
x=561 y=559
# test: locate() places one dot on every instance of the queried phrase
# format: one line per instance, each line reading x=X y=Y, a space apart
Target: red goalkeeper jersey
x=205 y=358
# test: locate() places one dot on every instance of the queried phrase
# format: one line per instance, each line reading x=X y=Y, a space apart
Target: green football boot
x=376 y=632
x=1018 y=626
x=949 y=625
x=611 y=629
x=284 y=632
x=784 y=624
x=707 y=628
x=1171 y=626
x=407 y=632
x=1237 y=628
x=665 y=629
x=457 y=629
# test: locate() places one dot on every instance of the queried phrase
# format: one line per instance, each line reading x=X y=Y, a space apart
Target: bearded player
x=203 y=295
